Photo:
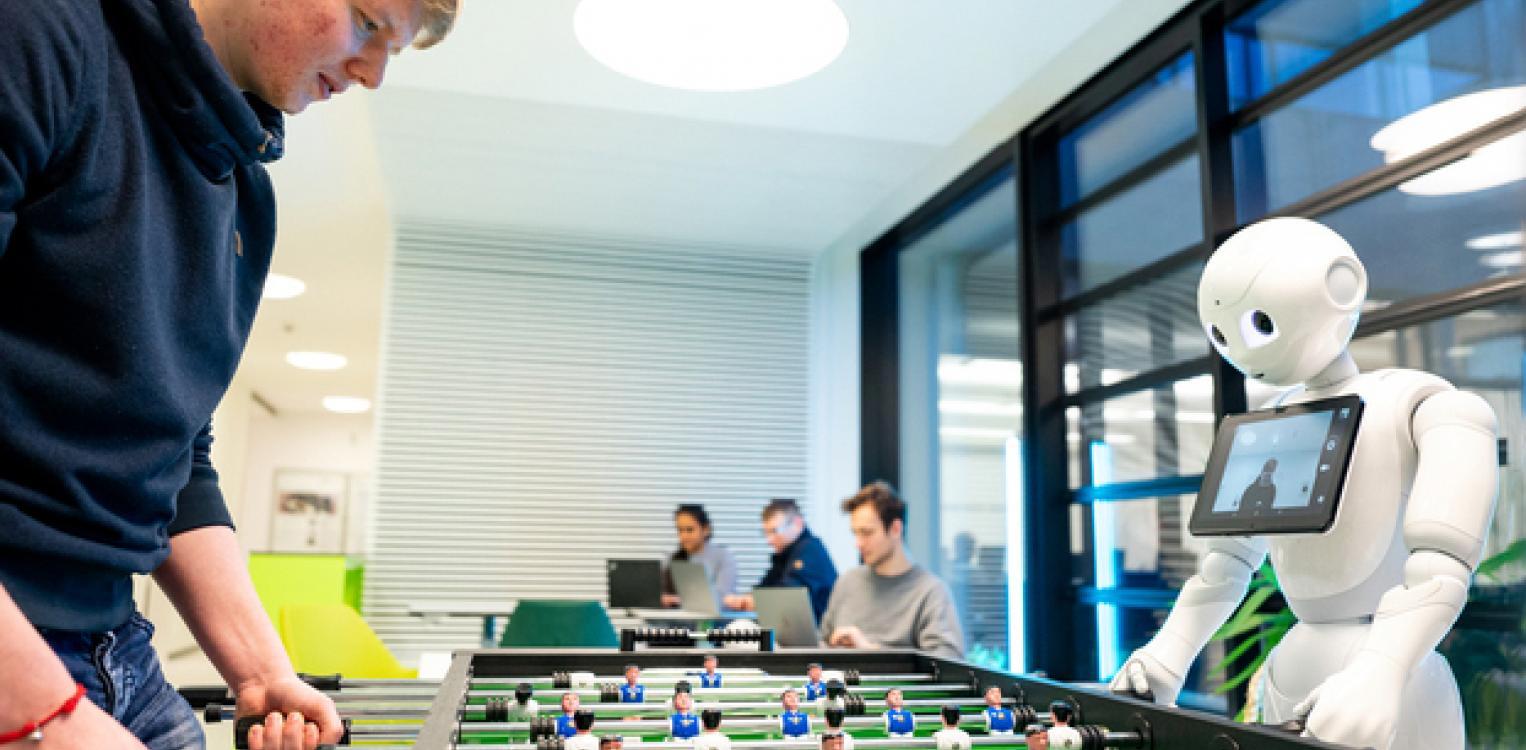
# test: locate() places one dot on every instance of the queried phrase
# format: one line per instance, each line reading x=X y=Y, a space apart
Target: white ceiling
x=509 y=122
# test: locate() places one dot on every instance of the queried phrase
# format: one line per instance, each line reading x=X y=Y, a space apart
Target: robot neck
x=1337 y=372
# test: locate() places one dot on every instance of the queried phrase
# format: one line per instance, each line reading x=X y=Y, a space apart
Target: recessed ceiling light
x=1497 y=163
x=347 y=404
x=316 y=360
x=1499 y=241
x=712 y=45
x=280 y=286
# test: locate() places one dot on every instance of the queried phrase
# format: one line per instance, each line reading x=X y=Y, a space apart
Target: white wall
x=834 y=438
x=326 y=442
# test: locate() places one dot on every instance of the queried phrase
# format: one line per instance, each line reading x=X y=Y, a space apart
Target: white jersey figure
x=711 y=738
x=951 y=737
x=1376 y=592
x=524 y=708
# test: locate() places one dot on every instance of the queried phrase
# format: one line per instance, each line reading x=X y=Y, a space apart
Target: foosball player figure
x=1063 y=736
x=710 y=678
x=815 y=689
x=525 y=708
x=951 y=737
x=833 y=718
x=683 y=724
x=899 y=722
x=584 y=739
x=682 y=687
x=1037 y=737
x=611 y=742
x=564 y=723
x=711 y=738
x=632 y=691
x=833 y=741
x=793 y=723
x=1000 y=720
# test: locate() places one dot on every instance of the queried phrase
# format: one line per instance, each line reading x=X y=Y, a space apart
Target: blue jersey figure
x=684 y=725
x=631 y=692
x=564 y=726
x=815 y=689
x=793 y=723
x=710 y=678
x=1000 y=721
x=899 y=723
x=999 y=718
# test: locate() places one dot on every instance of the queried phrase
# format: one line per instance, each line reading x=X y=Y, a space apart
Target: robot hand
x=1357 y=706
x=1145 y=677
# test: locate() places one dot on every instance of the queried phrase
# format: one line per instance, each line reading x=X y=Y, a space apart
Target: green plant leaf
x=1240 y=625
x=1515 y=553
x=1240 y=651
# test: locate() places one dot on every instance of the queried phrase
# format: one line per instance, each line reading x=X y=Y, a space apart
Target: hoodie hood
x=221 y=127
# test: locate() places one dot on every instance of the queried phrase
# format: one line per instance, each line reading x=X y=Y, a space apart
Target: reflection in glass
x=1149 y=221
x=961 y=415
x=1325 y=137
x=1417 y=245
x=1153 y=117
x=1161 y=432
x=1278 y=39
x=1145 y=328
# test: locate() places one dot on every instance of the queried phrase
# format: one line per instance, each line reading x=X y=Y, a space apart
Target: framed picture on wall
x=309 y=511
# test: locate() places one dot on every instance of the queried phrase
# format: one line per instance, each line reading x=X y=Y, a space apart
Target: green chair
x=334 y=639
x=541 y=623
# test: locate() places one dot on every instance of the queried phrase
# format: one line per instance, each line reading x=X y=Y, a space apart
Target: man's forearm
x=207 y=579
x=32 y=679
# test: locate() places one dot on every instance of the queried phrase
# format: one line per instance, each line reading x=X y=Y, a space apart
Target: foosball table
x=512 y=699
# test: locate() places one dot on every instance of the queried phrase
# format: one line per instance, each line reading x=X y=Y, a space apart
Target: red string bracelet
x=33 y=730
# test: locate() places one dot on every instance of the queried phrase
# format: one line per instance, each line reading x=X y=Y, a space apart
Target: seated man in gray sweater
x=889 y=601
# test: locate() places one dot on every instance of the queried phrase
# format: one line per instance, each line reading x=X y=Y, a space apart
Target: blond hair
x=438 y=17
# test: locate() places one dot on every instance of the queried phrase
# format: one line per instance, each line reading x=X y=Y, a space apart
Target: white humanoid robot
x=1377 y=591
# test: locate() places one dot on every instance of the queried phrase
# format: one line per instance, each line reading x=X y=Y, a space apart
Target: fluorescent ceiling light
x=1501 y=241
x=1507 y=259
x=980 y=408
x=280 y=286
x=316 y=360
x=1497 y=163
x=712 y=45
x=347 y=404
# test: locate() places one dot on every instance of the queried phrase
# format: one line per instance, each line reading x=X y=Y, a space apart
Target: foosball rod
x=749 y=724
x=729 y=692
x=605 y=709
x=564 y=680
x=1101 y=739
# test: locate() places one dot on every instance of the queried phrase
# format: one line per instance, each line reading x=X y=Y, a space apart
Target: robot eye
x=1257 y=329
x=1217 y=336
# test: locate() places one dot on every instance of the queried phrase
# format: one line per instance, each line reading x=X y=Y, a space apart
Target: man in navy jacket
x=136 y=228
x=800 y=559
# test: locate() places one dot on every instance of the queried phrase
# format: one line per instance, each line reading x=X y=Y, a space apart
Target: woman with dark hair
x=693 y=526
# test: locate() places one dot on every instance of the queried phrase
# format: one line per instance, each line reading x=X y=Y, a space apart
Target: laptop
x=693 y=587
x=787 y=611
x=635 y=583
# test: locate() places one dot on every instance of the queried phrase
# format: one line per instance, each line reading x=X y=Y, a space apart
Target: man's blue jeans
x=121 y=674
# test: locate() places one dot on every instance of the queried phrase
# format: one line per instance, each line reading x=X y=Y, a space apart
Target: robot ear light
x=1346 y=282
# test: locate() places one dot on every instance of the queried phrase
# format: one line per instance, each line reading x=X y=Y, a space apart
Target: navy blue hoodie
x=136 y=226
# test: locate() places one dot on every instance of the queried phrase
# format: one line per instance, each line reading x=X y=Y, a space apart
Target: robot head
x=1280 y=299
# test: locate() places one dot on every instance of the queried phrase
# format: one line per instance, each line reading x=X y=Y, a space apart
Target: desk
x=620 y=617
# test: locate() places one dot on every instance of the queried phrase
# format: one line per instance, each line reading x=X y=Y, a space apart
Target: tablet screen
x=1278 y=470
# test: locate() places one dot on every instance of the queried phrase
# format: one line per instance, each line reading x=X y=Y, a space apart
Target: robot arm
x=1450 y=506
x=1158 y=668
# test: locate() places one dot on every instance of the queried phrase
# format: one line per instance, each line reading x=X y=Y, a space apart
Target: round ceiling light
x=316 y=360
x=1497 y=163
x=281 y=286
x=712 y=45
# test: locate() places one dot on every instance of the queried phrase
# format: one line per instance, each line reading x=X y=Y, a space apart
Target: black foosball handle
x=680 y=638
x=242 y=726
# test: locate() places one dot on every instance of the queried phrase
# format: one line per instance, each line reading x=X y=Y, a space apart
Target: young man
x=136 y=229
x=800 y=559
x=889 y=601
